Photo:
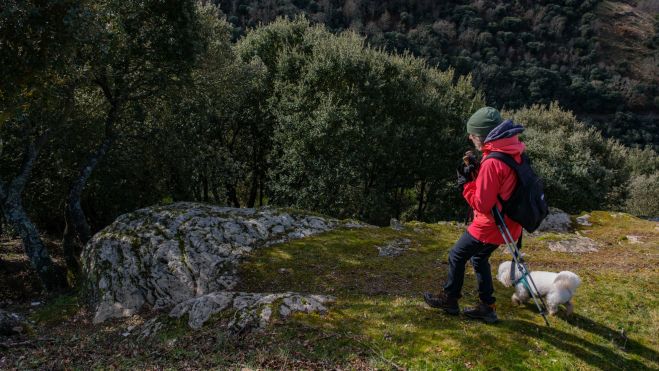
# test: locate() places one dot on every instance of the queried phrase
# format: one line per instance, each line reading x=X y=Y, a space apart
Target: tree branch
x=31 y=153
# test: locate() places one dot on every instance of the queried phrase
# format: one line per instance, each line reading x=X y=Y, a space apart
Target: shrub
x=643 y=197
x=357 y=129
x=581 y=169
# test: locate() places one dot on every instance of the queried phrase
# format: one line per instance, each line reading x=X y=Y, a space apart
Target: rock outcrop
x=395 y=247
x=576 y=244
x=556 y=221
x=584 y=220
x=162 y=256
x=253 y=309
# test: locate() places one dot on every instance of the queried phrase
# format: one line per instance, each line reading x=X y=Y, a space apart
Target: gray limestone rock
x=253 y=311
x=556 y=221
x=165 y=255
x=584 y=220
x=199 y=309
x=150 y=328
x=577 y=244
x=357 y=224
x=395 y=247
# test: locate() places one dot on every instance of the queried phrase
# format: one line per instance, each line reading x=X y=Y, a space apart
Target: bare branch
x=31 y=152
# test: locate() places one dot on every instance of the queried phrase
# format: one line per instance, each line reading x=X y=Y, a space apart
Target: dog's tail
x=567 y=280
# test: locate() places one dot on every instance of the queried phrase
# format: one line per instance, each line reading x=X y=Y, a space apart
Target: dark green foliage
x=36 y=38
x=518 y=53
x=357 y=129
x=583 y=170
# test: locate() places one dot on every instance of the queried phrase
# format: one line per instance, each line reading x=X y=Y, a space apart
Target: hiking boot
x=483 y=311
x=450 y=305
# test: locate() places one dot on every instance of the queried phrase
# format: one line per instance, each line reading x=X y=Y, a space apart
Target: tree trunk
x=74 y=215
x=253 y=189
x=71 y=248
x=216 y=194
x=12 y=208
x=34 y=248
x=204 y=188
x=261 y=191
x=398 y=198
x=419 y=211
x=232 y=195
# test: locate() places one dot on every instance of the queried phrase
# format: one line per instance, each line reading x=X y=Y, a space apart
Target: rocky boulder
x=162 y=256
x=394 y=248
x=556 y=221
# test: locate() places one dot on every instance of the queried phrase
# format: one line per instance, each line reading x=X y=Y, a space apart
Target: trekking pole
x=519 y=263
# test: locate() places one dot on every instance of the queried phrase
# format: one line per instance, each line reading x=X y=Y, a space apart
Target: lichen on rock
x=252 y=310
x=576 y=244
x=161 y=256
x=395 y=247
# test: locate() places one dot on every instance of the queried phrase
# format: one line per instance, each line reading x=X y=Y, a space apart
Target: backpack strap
x=508 y=160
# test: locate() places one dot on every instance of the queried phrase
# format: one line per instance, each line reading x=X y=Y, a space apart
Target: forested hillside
x=597 y=58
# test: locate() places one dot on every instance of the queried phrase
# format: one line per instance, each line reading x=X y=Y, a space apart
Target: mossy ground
x=379 y=319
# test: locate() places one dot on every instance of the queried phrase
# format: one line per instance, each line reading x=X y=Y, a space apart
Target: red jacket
x=494 y=178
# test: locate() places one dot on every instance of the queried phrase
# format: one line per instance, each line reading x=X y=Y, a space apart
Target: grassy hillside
x=379 y=319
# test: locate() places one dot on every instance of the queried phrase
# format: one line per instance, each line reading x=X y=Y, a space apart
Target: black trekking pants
x=469 y=248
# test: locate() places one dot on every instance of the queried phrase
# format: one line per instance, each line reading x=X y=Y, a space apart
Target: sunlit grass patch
x=613 y=228
x=379 y=319
x=379 y=310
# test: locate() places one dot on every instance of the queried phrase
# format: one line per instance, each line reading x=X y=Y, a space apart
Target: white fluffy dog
x=556 y=288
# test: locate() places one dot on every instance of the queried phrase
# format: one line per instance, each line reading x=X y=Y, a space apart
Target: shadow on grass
x=595 y=355
x=614 y=336
x=511 y=336
x=620 y=339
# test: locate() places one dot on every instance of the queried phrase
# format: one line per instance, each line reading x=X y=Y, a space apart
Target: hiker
x=483 y=186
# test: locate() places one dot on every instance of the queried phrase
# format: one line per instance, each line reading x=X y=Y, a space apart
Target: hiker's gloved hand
x=462 y=179
x=467 y=170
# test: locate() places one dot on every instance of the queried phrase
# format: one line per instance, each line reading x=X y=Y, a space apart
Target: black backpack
x=527 y=205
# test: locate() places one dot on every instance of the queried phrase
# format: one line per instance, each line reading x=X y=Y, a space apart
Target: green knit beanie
x=483 y=121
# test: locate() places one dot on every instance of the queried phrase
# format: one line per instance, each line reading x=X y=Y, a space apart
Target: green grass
x=379 y=310
x=379 y=320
